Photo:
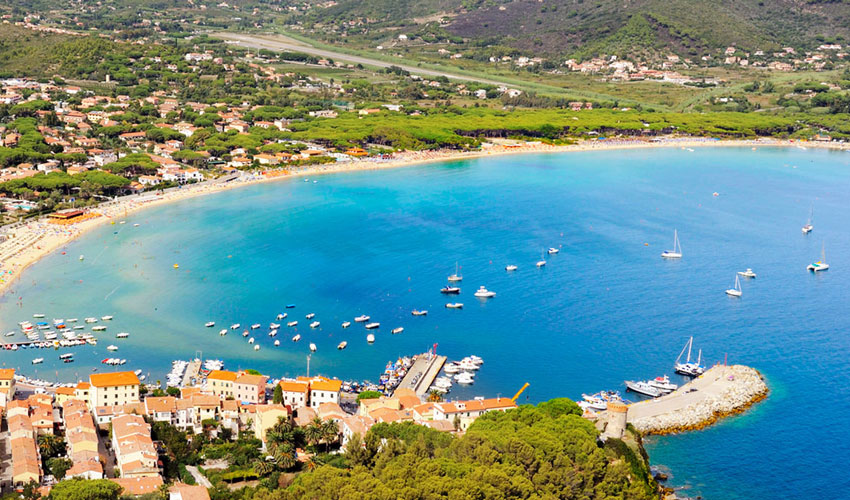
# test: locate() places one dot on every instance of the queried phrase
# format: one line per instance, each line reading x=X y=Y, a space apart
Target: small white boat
x=223 y=332
x=296 y=338
x=735 y=292
x=9 y=334
x=370 y=338
x=553 y=251
x=483 y=293
x=747 y=274
x=245 y=333
x=277 y=343
x=112 y=348
x=315 y=324
x=397 y=330
x=106 y=318
x=510 y=267
x=452 y=368
x=417 y=312
x=98 y=328
x=273 y=333
x=257 y=347
x=454 y=305
x=464 y=378
x=362 y=319
x=209 y=324
x=71 y=320
x=312 y=347
x=541 y=263
x=274 y=326
x=292 y=323
x=310 y=316
x=122 y=335
x=137 y=372
x=676 y=253
x=346 y=324
x=235 y=326
x=372 y=326
x=809 y=227
x=38 y=315
x=820 y=265
x=663 y=384
x=456 y=276
x=82 y=257
x=37 y=361
x=91 y=320
x=143 y=377
x=281 y=316
x=136 y=225
x=79 y=327
x=255 y=326
x=643 y=388
x=251 y=340
x=342 y=345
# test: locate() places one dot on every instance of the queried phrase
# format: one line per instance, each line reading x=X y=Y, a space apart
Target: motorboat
x=688 y=368
x=71 y=320
x=223 y=332
x=397 y=330
x=106 y=318
x=456 y=276
x=510 y=267
x=450 y=290
x=663 y=384
x=290 y=306
x=98 y=328
x=465 y=378
x=315 y=324
x=210 y=324
x=37 y=361
x=235 y=326
x=245 y=333
x=251 y=340
x=370 y=338
x=541 y=263
x=255 y=326
x=454 y=305
x=362 y=319
x=451 y=368
x=296 y=338
x=553 y=251
x=122 y=335
x=643 y=388
x=9 y=334
x=342 y=345
x=483 y=293
x=417 y=312
x=747 y=274
x=281 y=316
x=310 y=316
x=372 y=326
x=91 y=320
x=38 y=315
x=273 y=333
x=820 y=265
x=312 y=347
x=277 y=343
x=676 y=252
x=257 y=347
x=292 y=323
x=346 y=324
x=112 y=348
x=468 y=365
x=735 y=292
x=274 y=326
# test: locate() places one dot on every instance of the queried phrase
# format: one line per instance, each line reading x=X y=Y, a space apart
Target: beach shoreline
x=39 y=238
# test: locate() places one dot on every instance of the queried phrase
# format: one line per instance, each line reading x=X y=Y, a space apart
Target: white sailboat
x=820 y=265
x=688 y=368
x=809 y=227
x=676 y=253
x=735 y=292
x=542 y=261
x=456 y=276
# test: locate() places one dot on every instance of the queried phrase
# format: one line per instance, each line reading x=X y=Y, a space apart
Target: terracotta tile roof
x=294 y=386
x=326 y=385
x=247 y=379
x=113 y=379
x=138 y=485
x=222 y=375
x=188 y=492
x=477 y=405
x=164 y=404
x=83 y=386
x=7 y=373
x=270 y=407
x=65 y=391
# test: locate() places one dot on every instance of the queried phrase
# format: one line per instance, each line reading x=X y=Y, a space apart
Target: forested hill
x=588 y=27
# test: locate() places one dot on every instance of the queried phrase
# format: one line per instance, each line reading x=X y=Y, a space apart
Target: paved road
x=279 y=42
x=199 y=478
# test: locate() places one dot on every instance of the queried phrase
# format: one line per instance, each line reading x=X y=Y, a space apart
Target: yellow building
x=7 y=384
x=266 y=417
x=113 y=389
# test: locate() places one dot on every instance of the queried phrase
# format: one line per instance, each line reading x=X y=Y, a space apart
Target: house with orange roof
x=115 y=388
x=296 y=393
x=161 y=409
x=266 y=416
x=138 y=486
x=220 y=383
x=7 y=383
x=81 y=436
x=135 y=454
x=330 y=411
x=250 y=388
x=103 y=415
x=26 y=461
x=468 y=411
x=180 y=491
x=354 y=424
x=324 y=390
x=82 y=392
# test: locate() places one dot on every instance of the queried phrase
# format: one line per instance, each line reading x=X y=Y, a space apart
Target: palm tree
x=314 y=432
x=313 y=462
x=284 y=457
x=330 y=432
x=263 y=468
x=435 y=396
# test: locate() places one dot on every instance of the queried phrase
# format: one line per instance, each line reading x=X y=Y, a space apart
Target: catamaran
x=820 y=265
x=688 y=368
x=676 y=253
x=809 y=227
x=456 y=276
x=735 y=292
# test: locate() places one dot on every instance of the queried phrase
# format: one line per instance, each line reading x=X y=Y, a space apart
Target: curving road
x=280 y=42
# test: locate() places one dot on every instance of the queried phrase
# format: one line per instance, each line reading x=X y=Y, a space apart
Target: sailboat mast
x=690 y=344
x=682 y=352
x=699 y=358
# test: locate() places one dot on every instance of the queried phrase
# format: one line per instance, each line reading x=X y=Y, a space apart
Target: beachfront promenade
x=720 y=391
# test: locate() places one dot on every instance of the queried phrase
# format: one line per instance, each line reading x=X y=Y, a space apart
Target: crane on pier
x=524 y=387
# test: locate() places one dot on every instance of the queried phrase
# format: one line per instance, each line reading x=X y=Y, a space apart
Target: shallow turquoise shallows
x=605 y=309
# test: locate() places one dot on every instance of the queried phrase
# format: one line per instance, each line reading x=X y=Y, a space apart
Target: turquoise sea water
x=607 y=308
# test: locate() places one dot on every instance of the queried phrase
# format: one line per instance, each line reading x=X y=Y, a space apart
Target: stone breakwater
x=719 y=392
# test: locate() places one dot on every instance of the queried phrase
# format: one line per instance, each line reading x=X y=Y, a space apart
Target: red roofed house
x=117 y=388
x=468 y=411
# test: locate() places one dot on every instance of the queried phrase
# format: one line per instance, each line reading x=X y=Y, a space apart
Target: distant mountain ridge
x=589 y=27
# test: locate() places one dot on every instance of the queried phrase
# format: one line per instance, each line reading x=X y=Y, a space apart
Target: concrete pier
x=422 y=374
x=720 y=391
x=192 y=371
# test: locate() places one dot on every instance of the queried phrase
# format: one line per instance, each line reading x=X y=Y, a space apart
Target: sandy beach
x=29 y=242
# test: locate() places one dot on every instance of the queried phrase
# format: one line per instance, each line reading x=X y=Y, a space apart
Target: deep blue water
x=607 y=308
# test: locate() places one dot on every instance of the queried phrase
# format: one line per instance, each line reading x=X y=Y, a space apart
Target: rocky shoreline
x=720 y=392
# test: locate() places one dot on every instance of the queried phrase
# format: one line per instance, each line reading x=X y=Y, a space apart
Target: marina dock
x=423 y=373
x=720 y=391
x=192 y=372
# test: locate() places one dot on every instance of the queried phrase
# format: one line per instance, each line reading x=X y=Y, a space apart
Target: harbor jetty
x=720 y=391
x=423 y=372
